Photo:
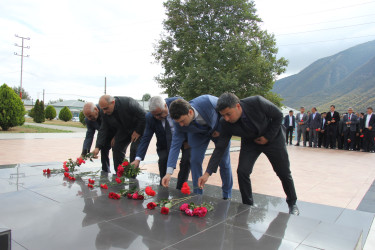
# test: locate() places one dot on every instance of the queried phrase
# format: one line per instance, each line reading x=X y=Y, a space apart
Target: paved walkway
x=74 y=129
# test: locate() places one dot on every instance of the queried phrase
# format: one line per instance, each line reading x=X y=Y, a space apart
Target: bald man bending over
x=124 y=120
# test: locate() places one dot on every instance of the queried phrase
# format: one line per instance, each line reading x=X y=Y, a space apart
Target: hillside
x=344 y=79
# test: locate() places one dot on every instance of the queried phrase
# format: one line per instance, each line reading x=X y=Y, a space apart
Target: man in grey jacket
x=313 y=127
x=301 y=120
x=350 y=121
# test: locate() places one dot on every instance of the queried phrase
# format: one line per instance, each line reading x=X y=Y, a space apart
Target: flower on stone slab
x=120 y=170
x=80 y=161
x=149 y=191
x=72 y=178
x=48 y=171
x=66 y=174
x=151 y=205
x=185 y=188
x=104 y=186
x=91 y=181
x=135 y=196
x=184 y=206
x=129 y=195
x=189 y=212
x=118 y=180
x=113 y=195
x=44 y=171
x=164 y=210
x=90 y=185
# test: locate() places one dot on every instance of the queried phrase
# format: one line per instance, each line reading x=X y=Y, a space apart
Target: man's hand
x=95 y=153
x=135 y=163
x=166 y=179
x=322 y=130
x=203 y=179
x=135 y=136
x=261 y=140
x=318 y=129
x=113 y=142
x=328 y=122
x=307 y=129
x=215 y=134
x=369 y=127
x=333 y=121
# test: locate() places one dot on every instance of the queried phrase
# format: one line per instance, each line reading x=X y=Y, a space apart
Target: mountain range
x=346 y=79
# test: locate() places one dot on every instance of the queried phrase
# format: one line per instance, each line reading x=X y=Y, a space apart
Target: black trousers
x=289 y=133
x=184 y=165
x=322 y=139
x=278 y=156
x=104 y=157
x=368 y=140
x=122 y=142
x=349 y=135
x=331 y=136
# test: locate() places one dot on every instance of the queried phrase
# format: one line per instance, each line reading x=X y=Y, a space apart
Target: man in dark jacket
x=313 y=127
x=124 y=119
x=160 y=123
x=258 y=122
x=289 y=124
x=93 y=120
x=333 y=119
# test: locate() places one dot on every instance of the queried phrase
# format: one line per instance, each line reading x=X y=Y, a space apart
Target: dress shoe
x=226 y=199
x=372 y=151
x=296 y=144
x=293 y=209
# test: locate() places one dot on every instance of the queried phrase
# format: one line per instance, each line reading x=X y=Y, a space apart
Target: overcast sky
x=74 y=44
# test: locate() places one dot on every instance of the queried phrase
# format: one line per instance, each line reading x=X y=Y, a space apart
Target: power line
x=308 y=31
x=22 y=56
x=292 y=44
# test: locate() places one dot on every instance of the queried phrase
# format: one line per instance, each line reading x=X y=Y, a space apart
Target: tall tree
x=25 y=95
x=146 y=97
x=216 y=46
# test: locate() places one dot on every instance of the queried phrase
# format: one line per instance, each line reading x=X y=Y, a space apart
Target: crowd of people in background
x=350 y=131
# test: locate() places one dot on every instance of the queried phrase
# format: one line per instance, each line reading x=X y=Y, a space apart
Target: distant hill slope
x=344 y=79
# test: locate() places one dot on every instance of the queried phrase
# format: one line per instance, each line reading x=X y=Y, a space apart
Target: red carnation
x=317 y=129
x=129 y=195
x=149 y=191
x=120 y=170
x=135 y=196
x=118 y=180
x=66 y=169
x=125 y=163
x=361 y=136
x=185 y=188
x=302 y=120
x=48 y=171
x=151 y=205
x=202 y=212
x=114 y=196
x=164 y=210
x=104 y=186
x=44 y=171
x=66 y=174
x=189 y=212
x=90 y=186
x=140 y=197
x=64 y=164
x=72 y=178
x=91 y=181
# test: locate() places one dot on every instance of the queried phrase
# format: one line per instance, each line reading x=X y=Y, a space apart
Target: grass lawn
x=60 y=123
x=33 y=129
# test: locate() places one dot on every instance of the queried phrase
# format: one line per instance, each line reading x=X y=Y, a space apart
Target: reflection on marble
x=51 y=212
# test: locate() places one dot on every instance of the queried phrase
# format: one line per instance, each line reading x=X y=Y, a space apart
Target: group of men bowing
x=189 y=127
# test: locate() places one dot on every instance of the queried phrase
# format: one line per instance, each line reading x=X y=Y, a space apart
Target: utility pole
x=105 y=85
x=22 y=47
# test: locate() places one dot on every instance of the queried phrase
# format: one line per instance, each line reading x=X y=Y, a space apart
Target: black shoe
x=293 y=209
x=226 y=199
x=296 y=144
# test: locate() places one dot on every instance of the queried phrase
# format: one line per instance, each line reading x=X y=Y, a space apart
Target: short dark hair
x=227 y=100
x=370 y=108
x=290 y=111
x=362 y=113
x=178 y=108
x=333 y=106
x=315 y=108
x=324 y=113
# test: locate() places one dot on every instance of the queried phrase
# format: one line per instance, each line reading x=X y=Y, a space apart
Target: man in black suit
x=368 y=125
x=160 y=123
x=289 y=124
x=333 y=119
x=350 y=121
x=93 y=120
x=322 y=140
x=124 y=119
x=313 y=126
x=258 y=122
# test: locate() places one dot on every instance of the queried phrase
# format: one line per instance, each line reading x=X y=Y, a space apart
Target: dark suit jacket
x=336 y=117
x=354 y=121
x=314 y=123
x=131 y=117
x=265 y=117
x=154 y=126
x=371 y=123
x=286 y=121
x=323 y=123
x=92 y=126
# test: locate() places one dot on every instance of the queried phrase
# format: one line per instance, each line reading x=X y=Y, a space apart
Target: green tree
x=31 y=112
x=12 y=110
x=146 y=97
x=216 y=46
x=25 y=95
x=39 y=114
x=65 y=114
x=55 y=101
x=50 y=112
x=82 y=118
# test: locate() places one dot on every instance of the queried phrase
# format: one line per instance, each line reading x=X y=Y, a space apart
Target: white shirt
x=368 y=117
x=170 y=122
x=349 y=116
x=332 y=114
x=290 y=121
x=301 y=117
x=314 y=115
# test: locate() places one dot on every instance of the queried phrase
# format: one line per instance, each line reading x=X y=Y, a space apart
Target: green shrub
x=82 y=118
x=39 y=115
x=65 y=114
x=12 y=110
x=31 y=112
x=50 y=112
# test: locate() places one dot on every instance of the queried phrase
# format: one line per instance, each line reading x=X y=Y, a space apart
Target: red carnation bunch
x=104 y=186
x=149 y=191
x=194 y=210
x=185 y=188
x=80 y=161
x=90 y=185
x=118 y=180
x=72 y=178
x=120 y=170
x=91 y=181
x=361 y=136
x=164 y=210
x=66 y=174
x=46 y=171
x=113 y=195
x=125 y=163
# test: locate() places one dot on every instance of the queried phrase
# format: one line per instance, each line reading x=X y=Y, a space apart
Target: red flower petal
x=164 y=210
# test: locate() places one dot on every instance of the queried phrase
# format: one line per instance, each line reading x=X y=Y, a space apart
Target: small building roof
x=69 y=103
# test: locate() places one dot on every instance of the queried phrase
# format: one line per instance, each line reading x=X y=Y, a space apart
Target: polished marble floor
x=50 y=212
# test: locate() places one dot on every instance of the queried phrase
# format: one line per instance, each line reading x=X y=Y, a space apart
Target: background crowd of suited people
x=349 y=131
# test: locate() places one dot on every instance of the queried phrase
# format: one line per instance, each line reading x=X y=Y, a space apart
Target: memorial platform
x=49 y=212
